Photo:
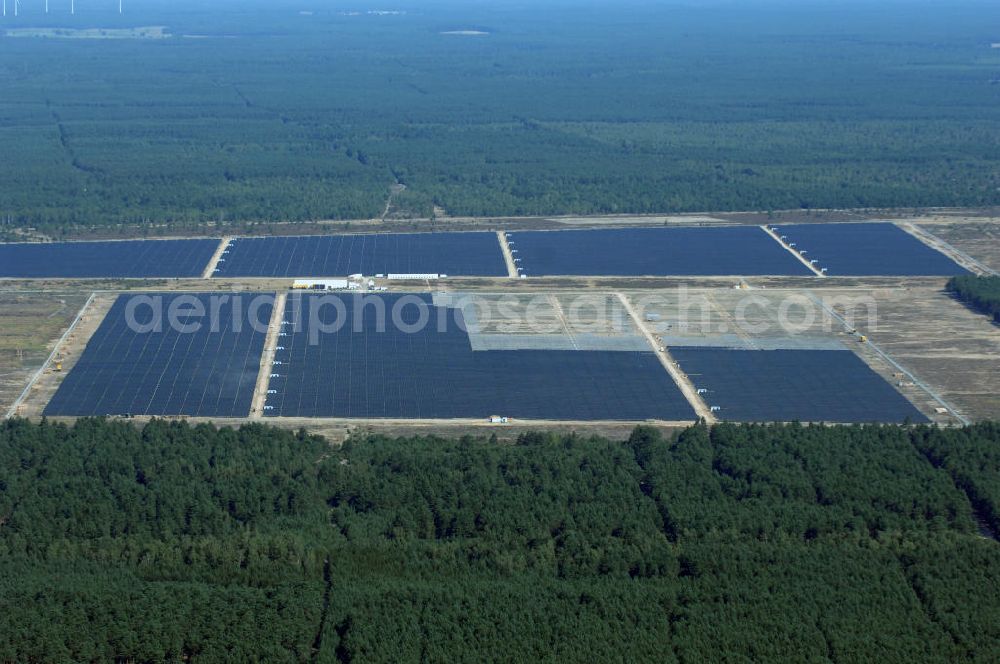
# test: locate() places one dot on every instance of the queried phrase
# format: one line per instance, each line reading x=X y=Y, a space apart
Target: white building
x=321 y=284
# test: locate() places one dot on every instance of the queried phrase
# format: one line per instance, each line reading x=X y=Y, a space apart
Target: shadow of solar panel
x=170 y=369
x=456 y=254
x=736 y=250
x=137 y=259
x=793 y=385
x=869 y=249
x=357 y=368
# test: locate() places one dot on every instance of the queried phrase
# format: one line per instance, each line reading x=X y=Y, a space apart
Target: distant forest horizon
x=263 y=112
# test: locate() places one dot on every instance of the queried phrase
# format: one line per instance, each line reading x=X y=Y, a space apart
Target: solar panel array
x=793 y=385
x=862 y=249
x=458 y=254
x=720 y=251
x=404 y=370
x=209 y=372
x=868 y=249
x=112 y=260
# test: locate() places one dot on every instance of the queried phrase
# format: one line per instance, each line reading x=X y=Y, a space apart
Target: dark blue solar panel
x=869 y=249
x=734 y=250
x=793 y=385
x=456 y=254
x=210 y=372
x=113 y=260
x=408 y=371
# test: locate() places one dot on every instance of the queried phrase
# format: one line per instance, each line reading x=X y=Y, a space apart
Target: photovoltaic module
x=453 y=254
x=363 y=365
x=721 y=251
x=124 y=259
x=132 y=366
x=868 y=249
x=793 y=385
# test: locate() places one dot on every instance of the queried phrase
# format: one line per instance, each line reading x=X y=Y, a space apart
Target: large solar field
x=868 y=249
x=732 y=250
x=113 y=260
x=793 y=385
x=167 y=369
x=458 y=254
x=406 y=370
x=856 y=249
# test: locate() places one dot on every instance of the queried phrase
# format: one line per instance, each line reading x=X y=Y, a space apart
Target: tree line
x=296 y=119
x=983 y=293
x=175 y=542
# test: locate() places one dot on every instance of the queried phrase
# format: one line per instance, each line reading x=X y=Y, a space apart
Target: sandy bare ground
x=213 y=262
x=68 y=352
x=977 y=237
x=790 y=249
x=679 y=378
x=952 y=348
x=337 y=431
x=508 y=256
x=30 y=326
x=443 y=222
x=267 y=357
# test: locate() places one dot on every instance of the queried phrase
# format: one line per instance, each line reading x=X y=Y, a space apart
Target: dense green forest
x=733 y=543
x=982 y=293
x=257 y=111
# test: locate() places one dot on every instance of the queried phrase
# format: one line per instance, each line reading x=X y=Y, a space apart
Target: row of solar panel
x=872 y=249
x=465 y=254
x=429 y=371
x=336 y=359
x=143 y=360
x=866 y=249
x=788 y=385
x=840 y=249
